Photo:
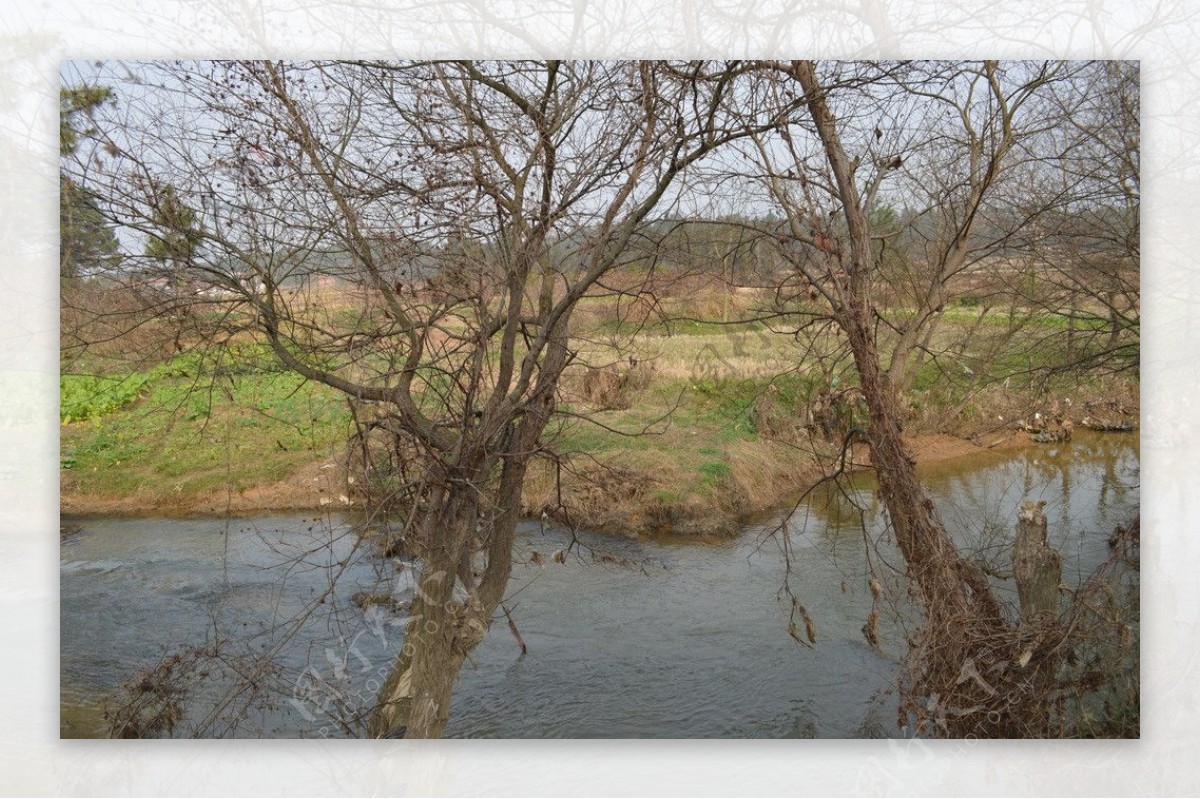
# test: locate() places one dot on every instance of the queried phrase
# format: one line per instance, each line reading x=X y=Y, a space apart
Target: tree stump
x=1037 y=567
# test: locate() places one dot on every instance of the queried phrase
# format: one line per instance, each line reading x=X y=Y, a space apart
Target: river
x=651 y=638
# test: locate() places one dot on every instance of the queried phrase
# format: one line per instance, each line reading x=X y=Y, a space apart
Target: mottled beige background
x=36 y=34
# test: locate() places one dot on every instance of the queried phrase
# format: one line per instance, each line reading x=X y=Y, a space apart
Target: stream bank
x=627 y=638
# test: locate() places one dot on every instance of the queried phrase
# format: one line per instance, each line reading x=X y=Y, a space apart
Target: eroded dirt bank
x=628 y=496
x=761 y=476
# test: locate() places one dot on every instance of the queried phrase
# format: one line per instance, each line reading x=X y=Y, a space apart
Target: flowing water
x=653 y=638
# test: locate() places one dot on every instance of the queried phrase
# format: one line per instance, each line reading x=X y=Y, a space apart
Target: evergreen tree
x=87 y=241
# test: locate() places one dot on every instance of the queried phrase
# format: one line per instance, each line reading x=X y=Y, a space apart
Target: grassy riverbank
x=675 y=424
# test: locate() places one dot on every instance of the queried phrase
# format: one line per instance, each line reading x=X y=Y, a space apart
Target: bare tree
x=1080 y=255
x=957 y=136
x=417 y=236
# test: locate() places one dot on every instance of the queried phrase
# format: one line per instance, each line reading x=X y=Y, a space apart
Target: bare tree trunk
x=948 y=583
x=1114 y=322
x=960 y=611
x=1037 y=568
x=415 y=699
x=935 y=564
x=446 y=625
x=443 y=626
x=444 y=633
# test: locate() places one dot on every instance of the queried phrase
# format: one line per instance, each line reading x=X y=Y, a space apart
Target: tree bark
x=446 y=625
x=1037 y=567
x=948 y=584
x=442 y=627
x=961 y=613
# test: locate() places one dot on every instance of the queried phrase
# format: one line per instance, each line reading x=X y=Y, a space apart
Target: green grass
x=84 y=397
x=713 y=473
x=674 y=327
x=233 y=417
x=686 y=454
x=729 y=401
x=706 y=415
x=188 y=434
x=969 y=313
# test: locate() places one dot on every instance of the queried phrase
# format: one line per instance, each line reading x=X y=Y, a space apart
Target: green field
x=716 y=422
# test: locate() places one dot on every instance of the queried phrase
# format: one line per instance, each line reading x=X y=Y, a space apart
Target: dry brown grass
x=615 y=387
x=764 y=474
x=590 y=494
x=995 y=411
x=112 y=326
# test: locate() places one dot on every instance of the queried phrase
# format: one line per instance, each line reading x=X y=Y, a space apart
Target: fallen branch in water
x=512 y=625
